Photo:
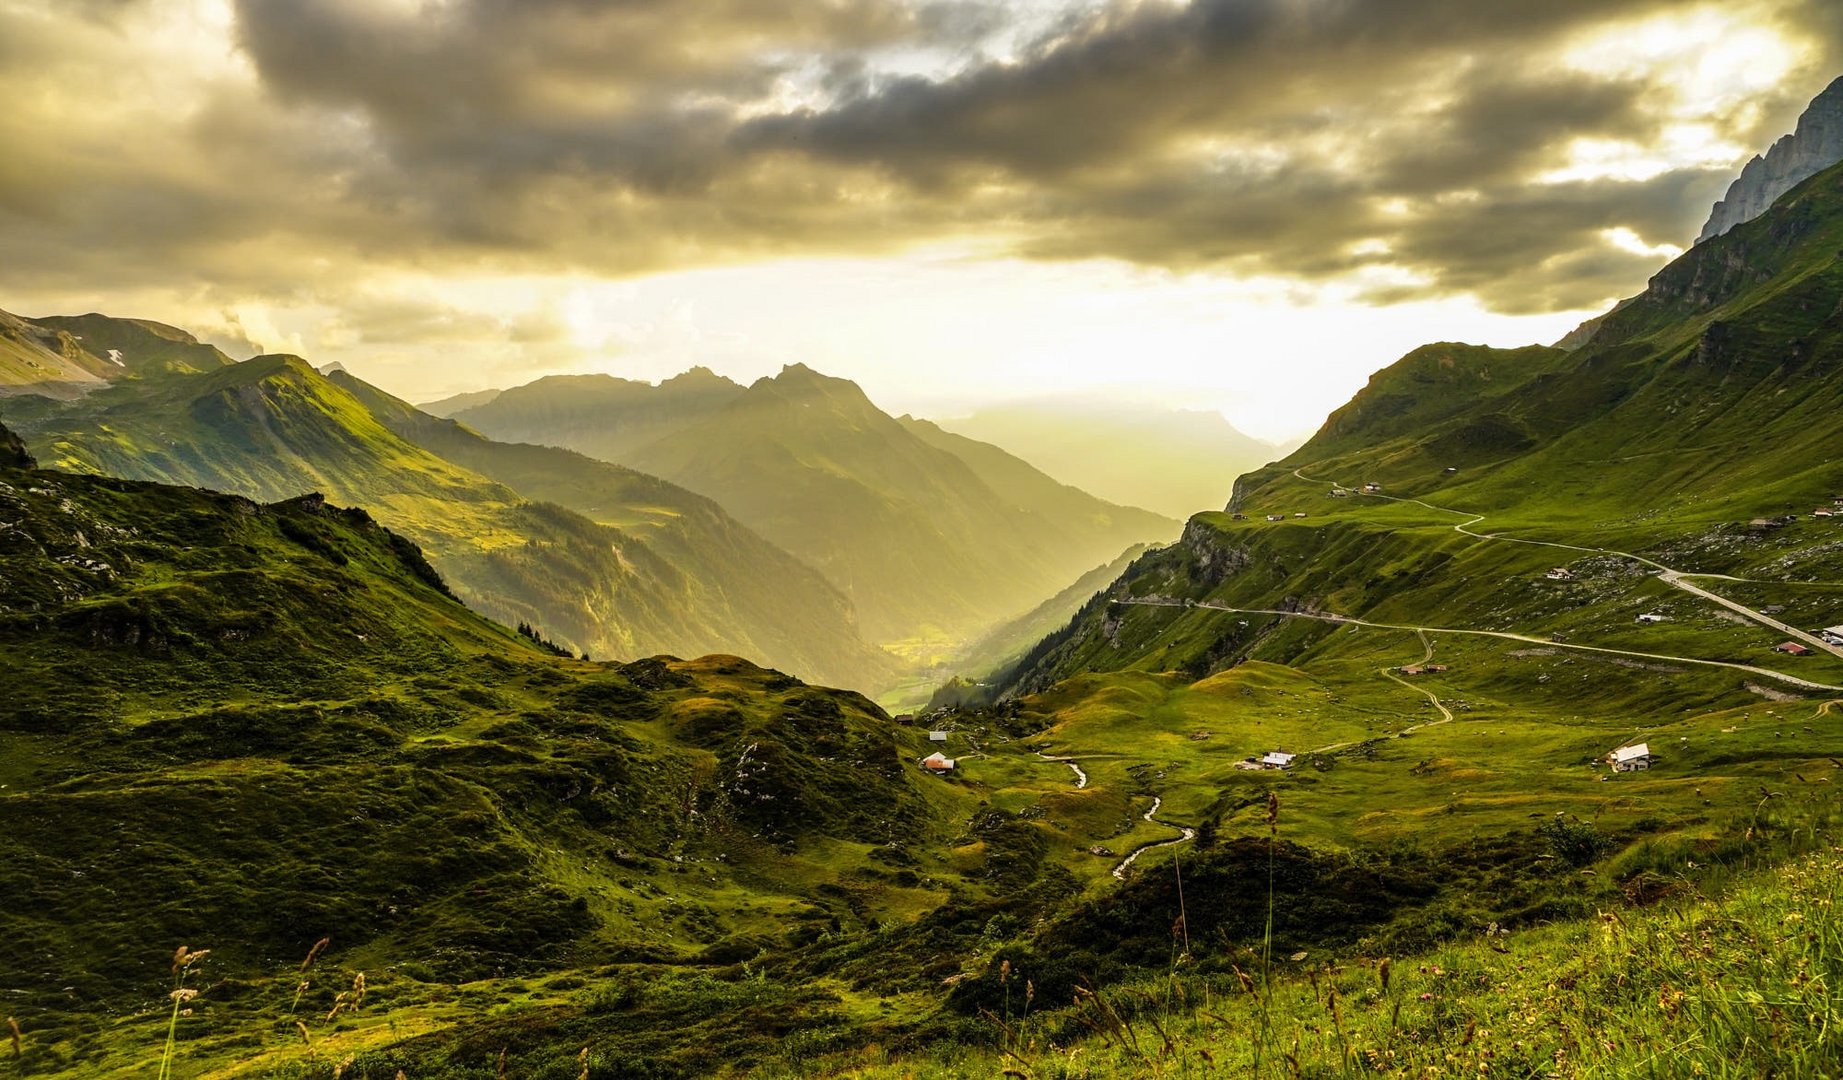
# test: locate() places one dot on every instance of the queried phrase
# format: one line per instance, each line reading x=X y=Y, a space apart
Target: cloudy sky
x=1241 y=204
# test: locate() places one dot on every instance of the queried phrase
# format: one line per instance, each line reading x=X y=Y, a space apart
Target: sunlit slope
x=918 y=536
x=756 y=599
x=1711 y=396
x=678 y=576
x=1697 y=408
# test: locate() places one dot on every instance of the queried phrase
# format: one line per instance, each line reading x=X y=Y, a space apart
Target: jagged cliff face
x=1817 y=145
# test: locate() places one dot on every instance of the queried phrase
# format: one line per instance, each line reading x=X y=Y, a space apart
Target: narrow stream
x=1189 y=834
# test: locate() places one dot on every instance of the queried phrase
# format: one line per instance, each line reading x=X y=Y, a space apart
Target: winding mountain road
x=1347 y=620
x=1668 y=575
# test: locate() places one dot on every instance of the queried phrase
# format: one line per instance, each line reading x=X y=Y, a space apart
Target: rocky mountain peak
x=1814 y=147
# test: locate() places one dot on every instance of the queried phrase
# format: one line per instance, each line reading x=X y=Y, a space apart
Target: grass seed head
x=314 y=953
x=302 y=1028
x=1382 y=972
x=1273 y=809
x=13 y=1028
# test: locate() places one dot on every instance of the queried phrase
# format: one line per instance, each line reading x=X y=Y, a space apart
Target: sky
x=1244 y=205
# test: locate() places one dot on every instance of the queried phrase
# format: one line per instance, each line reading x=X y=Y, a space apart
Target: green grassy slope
x=677 y=575
x=246 y=727
x=66 y=356
x=1707 y=398
x=142 y=345
x=38 y=360
x=912 y=532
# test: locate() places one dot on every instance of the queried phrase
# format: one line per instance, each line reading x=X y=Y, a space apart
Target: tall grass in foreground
x=1749 y=985
x=184 y=961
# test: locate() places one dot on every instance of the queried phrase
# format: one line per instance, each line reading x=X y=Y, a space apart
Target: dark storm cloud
x=1311 y=139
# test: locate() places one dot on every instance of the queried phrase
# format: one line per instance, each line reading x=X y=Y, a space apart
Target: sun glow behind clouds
x=1714 y=62
x=1310 y=235
x=940 y=331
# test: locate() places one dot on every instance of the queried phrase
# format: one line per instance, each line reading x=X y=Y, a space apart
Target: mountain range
x=601 y=558
x=932 y=535
x=1332 y=783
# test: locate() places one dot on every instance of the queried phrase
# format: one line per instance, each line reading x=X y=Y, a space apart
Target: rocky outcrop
x=13 y=453
x=1814 y=147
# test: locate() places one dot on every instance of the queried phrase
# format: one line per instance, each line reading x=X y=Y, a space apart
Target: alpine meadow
x=917 y=540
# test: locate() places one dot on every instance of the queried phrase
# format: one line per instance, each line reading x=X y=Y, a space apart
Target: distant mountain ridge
x=67 y=356
x=929 y=532
x=599 y=557
x=1170 y=461
x=1816 y=145
x=599 y=415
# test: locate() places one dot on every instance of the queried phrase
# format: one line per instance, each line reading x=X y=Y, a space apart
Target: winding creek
x=1150 y=815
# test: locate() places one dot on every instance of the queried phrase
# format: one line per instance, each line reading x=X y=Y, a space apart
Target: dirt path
x=1119 y=872
x=1668 y=575
x=1426 y=655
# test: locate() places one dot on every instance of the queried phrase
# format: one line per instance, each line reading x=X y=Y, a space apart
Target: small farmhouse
x=1792 y=648
x=1822 y=511
x=937 y=736
x=1448 y=471
x=1277 y=759
x=1651 y=618
x=1276 y=517
x=1371 y=489
x=1631 y=758
x=939 y=763
x=1832 y=635
x=1299 y=514
x=1559 y=573
x=1340 y=493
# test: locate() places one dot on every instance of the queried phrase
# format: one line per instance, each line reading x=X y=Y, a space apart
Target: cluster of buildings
x=938 y=763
